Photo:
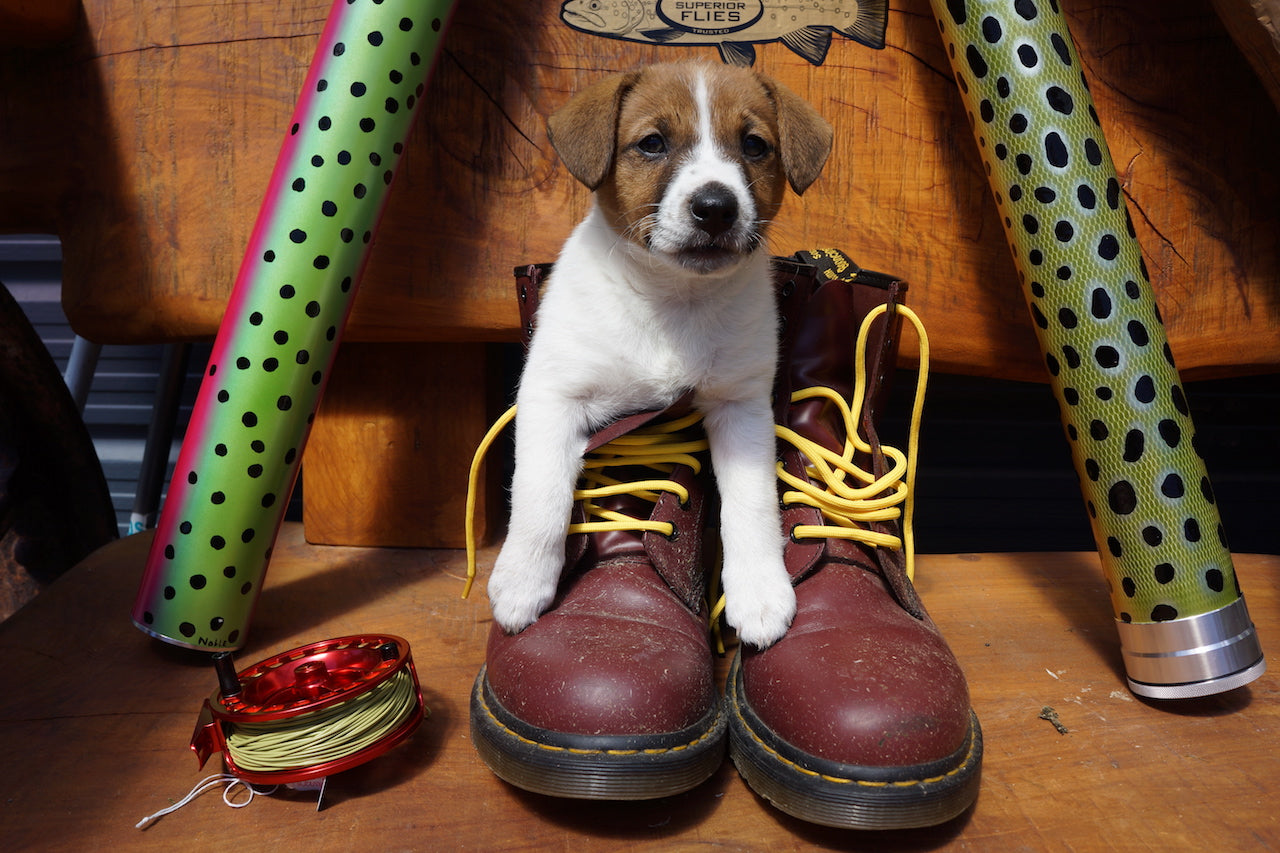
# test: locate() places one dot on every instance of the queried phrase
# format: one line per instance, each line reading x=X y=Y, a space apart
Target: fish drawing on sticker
x=733 y=26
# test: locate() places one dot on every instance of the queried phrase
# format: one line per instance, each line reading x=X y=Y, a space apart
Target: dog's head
x=689 y=161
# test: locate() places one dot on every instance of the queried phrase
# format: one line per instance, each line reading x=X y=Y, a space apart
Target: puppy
x=664 y=287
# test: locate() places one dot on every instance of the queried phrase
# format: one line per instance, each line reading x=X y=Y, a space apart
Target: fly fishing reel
x=312 y=711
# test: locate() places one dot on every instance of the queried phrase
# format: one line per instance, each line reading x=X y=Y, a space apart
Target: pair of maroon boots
x=858 y=717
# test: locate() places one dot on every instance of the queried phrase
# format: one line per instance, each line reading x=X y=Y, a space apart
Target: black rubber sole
x=609 y=767
x=848 y=796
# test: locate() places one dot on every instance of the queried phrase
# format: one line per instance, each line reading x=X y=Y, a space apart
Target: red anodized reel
x=302 y=681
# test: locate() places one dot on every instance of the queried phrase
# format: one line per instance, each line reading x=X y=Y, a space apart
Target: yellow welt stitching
x=574 y=751
x=843 y=781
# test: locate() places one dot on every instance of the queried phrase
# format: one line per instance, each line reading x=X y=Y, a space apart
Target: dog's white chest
x=610 y=330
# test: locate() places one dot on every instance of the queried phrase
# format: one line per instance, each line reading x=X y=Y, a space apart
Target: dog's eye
x=754 y=147
x=652 y=144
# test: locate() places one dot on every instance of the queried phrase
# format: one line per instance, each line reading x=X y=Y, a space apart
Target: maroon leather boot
x=859 y=716
x=611 y=693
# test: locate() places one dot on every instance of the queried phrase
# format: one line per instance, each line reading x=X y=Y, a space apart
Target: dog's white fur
x=642 y=306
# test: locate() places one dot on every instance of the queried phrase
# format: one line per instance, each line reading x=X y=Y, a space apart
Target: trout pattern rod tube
x=274 y=348
x=1183 y=626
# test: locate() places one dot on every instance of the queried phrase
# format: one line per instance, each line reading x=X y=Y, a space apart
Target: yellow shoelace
x=659 y=447
x=847 y=496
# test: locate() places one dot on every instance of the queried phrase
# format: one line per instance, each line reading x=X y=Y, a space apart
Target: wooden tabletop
x=95 y=719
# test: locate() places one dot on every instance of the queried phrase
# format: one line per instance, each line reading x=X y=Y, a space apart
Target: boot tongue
x=820 y=331
x=677 y=560
x=616 y=543
x=822 y=355
x=607 y=544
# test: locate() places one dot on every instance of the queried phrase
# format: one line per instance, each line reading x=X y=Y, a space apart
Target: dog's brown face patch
x=659 y=126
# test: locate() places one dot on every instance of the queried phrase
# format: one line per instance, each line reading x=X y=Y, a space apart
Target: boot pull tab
x=529 y=281
x=881 y=360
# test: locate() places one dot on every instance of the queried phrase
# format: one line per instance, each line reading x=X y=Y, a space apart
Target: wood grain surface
x=95 y=719
x=388 y=458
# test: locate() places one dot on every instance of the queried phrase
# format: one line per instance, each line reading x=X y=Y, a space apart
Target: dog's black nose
x=714 y=209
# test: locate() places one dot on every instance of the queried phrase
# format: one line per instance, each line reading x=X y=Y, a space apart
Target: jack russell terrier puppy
x=664 y=287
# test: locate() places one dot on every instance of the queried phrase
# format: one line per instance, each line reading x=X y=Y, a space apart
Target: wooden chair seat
x=194 y=98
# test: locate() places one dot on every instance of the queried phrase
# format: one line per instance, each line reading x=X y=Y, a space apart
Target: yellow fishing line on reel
x=326 y=735
x=313 y=711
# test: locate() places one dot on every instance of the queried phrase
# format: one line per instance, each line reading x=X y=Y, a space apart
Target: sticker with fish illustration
x=734 y=27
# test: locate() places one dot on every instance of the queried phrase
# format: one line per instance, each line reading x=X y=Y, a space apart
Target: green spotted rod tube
x=1184 y=628
x=276 y=343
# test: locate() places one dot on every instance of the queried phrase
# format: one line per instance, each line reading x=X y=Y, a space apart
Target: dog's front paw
x=520 y=590
x=762 y=612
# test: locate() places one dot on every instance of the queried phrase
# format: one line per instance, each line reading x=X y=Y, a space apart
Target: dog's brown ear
x=584 y=131
x=804 y=136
